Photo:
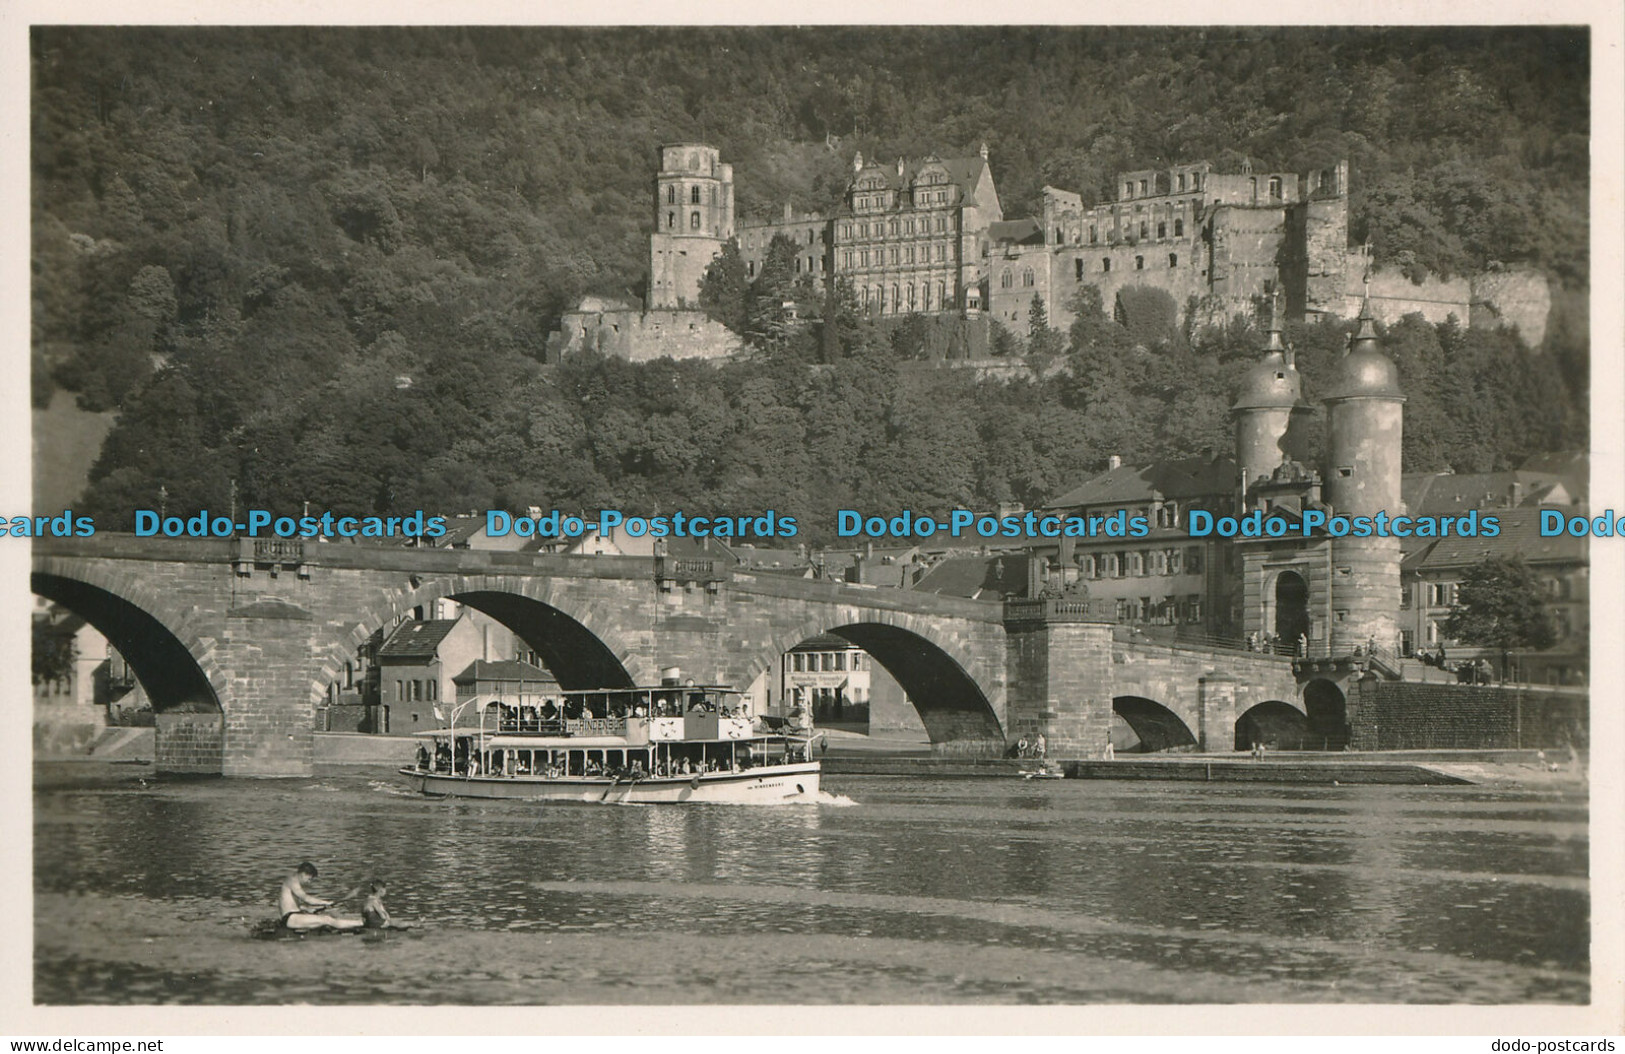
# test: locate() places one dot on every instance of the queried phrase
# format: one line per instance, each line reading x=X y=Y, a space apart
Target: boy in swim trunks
x=373 y=912
x=293 y=902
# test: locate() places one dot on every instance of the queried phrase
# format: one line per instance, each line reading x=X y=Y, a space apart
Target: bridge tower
x=1362 y=478
x=694 y=218
x=1269 y=412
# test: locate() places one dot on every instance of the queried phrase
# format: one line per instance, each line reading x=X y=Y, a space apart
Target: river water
x=894 y=890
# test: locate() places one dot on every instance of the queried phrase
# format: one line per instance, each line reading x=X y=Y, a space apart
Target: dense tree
x=1499 y=605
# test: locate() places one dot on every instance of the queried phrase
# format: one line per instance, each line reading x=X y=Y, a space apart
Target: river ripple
x=898 y=890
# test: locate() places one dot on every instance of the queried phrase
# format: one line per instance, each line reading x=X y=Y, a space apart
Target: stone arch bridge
x=237 y=640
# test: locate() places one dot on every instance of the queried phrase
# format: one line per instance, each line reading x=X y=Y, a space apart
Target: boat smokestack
x=671 y=676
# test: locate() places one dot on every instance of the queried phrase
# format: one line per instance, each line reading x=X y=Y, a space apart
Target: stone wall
x=1398 y=715
x=191 y=744
x=639 y=336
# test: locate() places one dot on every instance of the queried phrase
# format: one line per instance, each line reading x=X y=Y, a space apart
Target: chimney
x=1515 y=494
x=1114 y=462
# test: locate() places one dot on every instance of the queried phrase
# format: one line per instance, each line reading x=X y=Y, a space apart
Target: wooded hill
x=345 y=247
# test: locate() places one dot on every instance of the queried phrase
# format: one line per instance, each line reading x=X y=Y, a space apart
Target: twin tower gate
x=236 y=641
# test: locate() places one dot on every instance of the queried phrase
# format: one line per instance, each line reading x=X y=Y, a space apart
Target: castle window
x=942 y=223
x=1139 y=263
x=1194 y=607
x=911 y=296
x=671 y=195
x=1173 y=259
x=894 y=255
x=1143 y=190
x=1193 y=560
x=892 y=226
x=694 y=221
x=1162 y=229
x=1179 y=227
x=798 y=265
x=1275 y=187
x=942 y=297
x=1113 y=566
x=1128 y=190
x=909 y=227
x=809 y=237
x=1088 y=567
x=1094 y=235
x=694 y=195
x=1105 y=264
x=1136 y=564
x=671 y=221
x=1182 y=181
x=1027 y=277
x=925 y=295
x=942 y=253
x=1145 y=229
x=908 y=254
x=1077 y=266
x=863 y=230
x=863 y=258
x=846 y=259
x=1005 y=281
x=897 y=301
x=1345 y=471
x=750 y=268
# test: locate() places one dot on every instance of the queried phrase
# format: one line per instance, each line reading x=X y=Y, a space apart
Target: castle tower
x=1271 y=397
x=1362 y=478
x=694 y=218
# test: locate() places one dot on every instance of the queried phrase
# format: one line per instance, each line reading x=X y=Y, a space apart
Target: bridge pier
x=1216 y=694
x=1060 y=676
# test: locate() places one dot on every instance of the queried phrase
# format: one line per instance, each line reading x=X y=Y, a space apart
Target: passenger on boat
x=423 y=758
x=292 y=902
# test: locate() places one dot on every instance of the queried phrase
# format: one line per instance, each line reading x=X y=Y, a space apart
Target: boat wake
x=392 y=789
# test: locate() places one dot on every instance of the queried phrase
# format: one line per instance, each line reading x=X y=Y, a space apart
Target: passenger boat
x=688 y=743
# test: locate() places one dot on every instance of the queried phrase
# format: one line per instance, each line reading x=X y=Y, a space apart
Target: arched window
x=1105 y=264
x=694 y=221
x=1179 y=227
x=1139 y=263
x=1162 y=229
x=671 y=221
x=1173 y=259
x=1088 y=567
x=1027 y=277
x=911 y=296
x=1005 y=281
x=942 y=296
x=897 y=301
x=694 y=195
x=925 y=295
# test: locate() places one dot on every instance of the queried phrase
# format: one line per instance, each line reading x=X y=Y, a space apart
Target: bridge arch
x=1274 y=723
x=932 y=671
x=577 y=642
x=1327 y=710
x=1157 y=727
x=174 y=664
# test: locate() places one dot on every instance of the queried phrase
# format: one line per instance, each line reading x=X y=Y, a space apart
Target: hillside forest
x=320 y=265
